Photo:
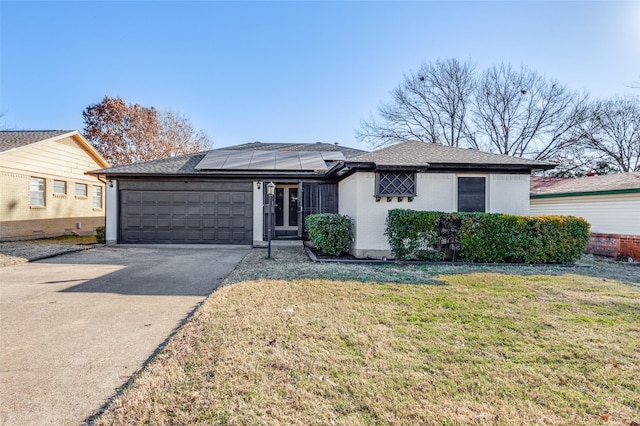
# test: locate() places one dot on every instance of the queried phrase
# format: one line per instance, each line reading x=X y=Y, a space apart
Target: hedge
x=330 y=233
x=486 y=237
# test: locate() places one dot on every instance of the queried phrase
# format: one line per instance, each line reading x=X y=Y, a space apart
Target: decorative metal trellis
x=396 y=184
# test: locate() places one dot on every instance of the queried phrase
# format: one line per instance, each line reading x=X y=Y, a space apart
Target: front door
x=286 y=211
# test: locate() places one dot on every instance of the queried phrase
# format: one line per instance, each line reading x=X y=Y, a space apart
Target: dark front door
x=286 y=210
x=293 y=203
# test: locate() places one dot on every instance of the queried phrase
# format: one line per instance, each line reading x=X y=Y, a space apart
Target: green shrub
x=100 y=236
x=330 y=233
x=413 y=234
x=485 y=237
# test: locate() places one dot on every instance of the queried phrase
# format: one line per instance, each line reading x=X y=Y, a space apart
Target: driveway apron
x=74 y=328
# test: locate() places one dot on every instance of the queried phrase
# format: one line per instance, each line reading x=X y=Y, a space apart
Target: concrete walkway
x=75 y=327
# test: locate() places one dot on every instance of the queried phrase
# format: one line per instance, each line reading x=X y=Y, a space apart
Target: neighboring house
x=44 y=186
x=219 y=196
x=610 y=203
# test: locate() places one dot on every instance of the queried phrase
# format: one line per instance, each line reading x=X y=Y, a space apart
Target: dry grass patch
x=484 y=348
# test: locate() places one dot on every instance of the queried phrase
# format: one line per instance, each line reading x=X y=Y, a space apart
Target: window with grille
x=36 y=192
x=396 y=184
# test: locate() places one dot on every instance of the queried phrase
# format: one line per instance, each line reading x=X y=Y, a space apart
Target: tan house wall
x=63 y=159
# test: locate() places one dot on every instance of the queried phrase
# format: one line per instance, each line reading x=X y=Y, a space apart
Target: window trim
x=410 y=173
x=43 y=192
x=80 y=184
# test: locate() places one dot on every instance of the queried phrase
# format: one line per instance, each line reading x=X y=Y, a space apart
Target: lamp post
x=271 y=190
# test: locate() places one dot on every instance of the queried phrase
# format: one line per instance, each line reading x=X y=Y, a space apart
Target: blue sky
x=288 y=71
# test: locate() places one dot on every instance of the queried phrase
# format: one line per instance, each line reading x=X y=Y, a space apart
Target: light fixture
x=271 y=188
x=110 y=183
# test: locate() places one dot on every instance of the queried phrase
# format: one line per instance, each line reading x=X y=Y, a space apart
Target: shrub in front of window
x=332 y=234
x=486 y=237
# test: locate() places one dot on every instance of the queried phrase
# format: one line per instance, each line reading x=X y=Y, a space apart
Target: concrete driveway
x=76 y=327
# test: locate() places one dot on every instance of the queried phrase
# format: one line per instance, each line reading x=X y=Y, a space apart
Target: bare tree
x=520 y=113
x=430 y=105
x=127 y=133
x=614 y=132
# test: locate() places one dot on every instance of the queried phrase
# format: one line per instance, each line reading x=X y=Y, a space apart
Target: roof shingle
x=15 y=139
x=413 y=153
x=553 y=185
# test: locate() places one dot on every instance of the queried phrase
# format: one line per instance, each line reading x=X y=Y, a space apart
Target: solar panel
x=264 y=160
x=238 y=160
x=213 y=160
x=332 y=155
x=310 y=160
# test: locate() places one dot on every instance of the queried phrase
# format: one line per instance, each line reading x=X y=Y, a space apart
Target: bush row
x=486 y=237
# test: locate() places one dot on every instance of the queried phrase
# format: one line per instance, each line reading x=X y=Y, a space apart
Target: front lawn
x=483 y=348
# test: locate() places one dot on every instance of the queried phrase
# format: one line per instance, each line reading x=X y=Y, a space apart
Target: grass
x=480 y=347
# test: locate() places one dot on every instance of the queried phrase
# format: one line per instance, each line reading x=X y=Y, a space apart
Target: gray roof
x=186 y=164
x=15 y=139
x=602 y=183
x=421 y=154
x=406 y=154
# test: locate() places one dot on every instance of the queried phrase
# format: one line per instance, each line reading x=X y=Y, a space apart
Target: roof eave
x=585 y=193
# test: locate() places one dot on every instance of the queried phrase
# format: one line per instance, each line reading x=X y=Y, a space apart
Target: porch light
x=271 y=190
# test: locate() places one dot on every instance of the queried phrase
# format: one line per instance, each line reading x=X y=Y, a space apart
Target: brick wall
x=614 y=245
x=40 y=228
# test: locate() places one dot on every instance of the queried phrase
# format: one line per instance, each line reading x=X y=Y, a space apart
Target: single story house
x=219 y=196
x=44 y=187
x=610 y=203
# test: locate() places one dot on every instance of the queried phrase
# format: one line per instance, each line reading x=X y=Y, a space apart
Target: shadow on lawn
x=293 y=263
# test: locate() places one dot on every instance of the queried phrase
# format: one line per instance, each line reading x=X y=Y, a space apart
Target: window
x=59 y=187
x=81 y=189
x=97 y=197
x=396 y=184
x=471 y=194
x=36 y=192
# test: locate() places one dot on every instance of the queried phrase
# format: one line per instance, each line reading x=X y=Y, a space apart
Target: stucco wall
x=435 y=192
x=509 y=194
x=54 y=160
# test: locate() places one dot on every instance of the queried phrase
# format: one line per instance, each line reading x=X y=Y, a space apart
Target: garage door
x=213 y=216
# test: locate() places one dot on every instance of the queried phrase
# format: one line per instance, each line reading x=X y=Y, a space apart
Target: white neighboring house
x=219 y=196
x=610 y=203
